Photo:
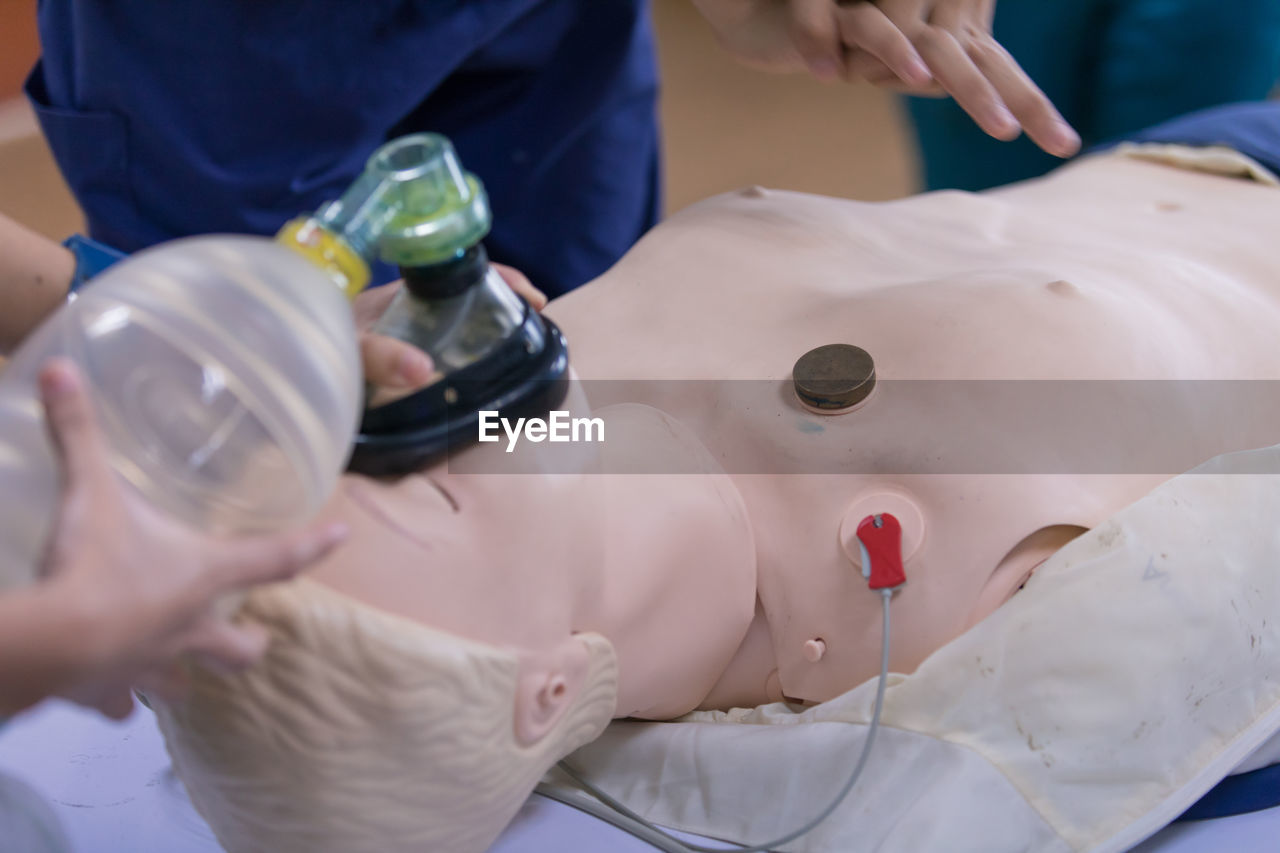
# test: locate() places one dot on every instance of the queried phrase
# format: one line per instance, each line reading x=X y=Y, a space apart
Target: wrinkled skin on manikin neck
x=734 y=590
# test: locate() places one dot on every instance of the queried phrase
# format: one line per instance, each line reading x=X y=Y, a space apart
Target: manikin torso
x=735 y=590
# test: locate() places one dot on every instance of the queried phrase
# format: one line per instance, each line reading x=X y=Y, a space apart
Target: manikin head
x=362 y=726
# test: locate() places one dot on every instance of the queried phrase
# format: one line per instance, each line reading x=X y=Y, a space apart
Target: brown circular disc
x=834 y=377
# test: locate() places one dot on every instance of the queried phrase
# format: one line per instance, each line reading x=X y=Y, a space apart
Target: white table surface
x=113 y=789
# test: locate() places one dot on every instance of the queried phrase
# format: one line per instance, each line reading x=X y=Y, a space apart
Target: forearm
x=35 y=273
x=44 y=645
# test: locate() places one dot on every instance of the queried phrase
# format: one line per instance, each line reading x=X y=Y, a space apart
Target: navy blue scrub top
x=169 y=119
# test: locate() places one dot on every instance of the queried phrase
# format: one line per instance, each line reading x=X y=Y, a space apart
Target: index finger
x=1036 y=113
x=962 y=80
x=519 y=282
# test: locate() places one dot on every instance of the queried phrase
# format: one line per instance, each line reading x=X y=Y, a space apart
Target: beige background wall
x=725 y=127
x=31 y=190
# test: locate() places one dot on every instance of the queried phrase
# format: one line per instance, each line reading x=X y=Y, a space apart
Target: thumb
x=117 y=704
x=225 y=647
x=73 y=427
x=519 y=282
x=815 y=34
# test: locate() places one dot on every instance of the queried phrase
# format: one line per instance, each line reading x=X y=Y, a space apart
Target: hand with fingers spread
x=395 y=364
x=952 y=38
x=127 y=592
x=919 y=46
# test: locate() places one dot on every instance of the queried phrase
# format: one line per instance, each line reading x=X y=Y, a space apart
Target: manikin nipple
x=1062 y=287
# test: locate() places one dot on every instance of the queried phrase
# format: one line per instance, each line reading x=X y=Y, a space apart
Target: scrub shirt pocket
x=92 y=151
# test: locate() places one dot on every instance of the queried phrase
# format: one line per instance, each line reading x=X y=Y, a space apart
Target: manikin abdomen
x=1110 y=270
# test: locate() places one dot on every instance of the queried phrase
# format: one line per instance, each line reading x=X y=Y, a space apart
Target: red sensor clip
x=880 y=537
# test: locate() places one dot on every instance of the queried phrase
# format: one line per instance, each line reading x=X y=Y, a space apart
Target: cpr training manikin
x=1081 y=647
